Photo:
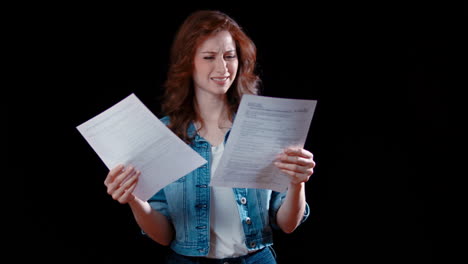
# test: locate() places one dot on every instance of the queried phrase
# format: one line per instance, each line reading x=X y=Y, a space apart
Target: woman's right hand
x=120 y=183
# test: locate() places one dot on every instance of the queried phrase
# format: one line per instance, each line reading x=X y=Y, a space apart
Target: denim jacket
x=186 y=203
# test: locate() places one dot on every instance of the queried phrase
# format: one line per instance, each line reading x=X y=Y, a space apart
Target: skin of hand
x=298 y=163
x=120 y=183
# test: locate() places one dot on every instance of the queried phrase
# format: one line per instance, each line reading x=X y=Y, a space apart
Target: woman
x=212 y=66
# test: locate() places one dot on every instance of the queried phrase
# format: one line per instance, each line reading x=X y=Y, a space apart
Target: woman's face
x=215 y=64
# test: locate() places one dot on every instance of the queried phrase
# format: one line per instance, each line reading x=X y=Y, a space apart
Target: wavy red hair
x=179 y=95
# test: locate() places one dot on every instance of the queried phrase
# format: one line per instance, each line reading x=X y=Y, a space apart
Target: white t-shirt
x=227 y=237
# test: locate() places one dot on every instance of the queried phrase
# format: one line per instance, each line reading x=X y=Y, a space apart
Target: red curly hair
x=179 y=95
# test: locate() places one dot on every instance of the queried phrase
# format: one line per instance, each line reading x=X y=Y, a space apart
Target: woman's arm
x=291 y=212
x=298 y=164
x=152 y=222
x=120 y=183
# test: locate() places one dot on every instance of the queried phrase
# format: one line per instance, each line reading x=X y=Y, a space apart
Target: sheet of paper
x=263 y=128
x=129 y=133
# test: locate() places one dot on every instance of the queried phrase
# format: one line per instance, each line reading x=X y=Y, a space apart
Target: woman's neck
x=213 y=121
x=212 y=109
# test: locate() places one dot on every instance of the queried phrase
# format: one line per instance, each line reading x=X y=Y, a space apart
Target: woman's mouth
x=220 y=80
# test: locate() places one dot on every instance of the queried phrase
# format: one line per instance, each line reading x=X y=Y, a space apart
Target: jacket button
x=248 y=220
x=243 y=200
x=253 y=244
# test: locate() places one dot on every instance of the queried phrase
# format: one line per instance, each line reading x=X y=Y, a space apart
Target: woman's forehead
x=219 y=42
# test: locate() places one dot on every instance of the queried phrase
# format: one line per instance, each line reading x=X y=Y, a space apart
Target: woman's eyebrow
x=215 y=52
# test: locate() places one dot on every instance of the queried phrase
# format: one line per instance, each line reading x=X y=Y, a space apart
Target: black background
x=382 y=75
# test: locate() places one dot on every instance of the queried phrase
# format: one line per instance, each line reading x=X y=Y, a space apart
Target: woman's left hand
x=296 y=162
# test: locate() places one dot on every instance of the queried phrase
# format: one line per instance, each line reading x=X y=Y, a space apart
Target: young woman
x=212 y=66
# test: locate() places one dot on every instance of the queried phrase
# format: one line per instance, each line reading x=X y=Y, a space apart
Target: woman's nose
x=221 y=66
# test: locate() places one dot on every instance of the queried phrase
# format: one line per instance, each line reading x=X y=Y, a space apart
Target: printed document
x=129 y=133
x=263 y=128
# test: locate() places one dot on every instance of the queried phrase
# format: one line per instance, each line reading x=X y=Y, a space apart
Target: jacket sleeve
x=159 y=203
x=276 y=201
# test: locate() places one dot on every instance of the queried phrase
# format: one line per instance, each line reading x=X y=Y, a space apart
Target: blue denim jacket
x=186 y=203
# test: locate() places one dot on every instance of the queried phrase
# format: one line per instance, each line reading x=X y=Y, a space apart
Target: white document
x=129 y=133
x=263 y=128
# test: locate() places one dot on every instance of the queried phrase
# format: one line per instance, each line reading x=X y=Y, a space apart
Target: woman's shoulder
x=165 y=120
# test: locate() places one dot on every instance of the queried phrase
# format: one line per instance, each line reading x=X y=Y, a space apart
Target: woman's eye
x=230 y=57
x=208 y=58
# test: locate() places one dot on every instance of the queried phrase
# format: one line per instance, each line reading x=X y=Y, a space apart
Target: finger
x=291 y=167
x=113 y=173
x=294 y=151
x=296 y=177
x=296 y=160
x=112 y=186
x=296 y=169
x=122 y=188
x=130 y=182
x=128 y=172
x=127 y=195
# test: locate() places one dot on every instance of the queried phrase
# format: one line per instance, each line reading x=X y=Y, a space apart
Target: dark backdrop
x=381 y=75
